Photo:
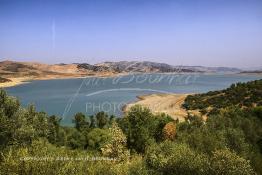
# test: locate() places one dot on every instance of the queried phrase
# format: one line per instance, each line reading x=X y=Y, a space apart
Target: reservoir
x=65 y=97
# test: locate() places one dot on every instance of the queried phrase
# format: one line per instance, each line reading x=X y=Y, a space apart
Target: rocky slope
x=144 y=66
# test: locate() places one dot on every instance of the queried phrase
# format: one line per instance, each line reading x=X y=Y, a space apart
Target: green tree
x=80 y=121
x=138 y=121
x=97 y=138
x=226 y=162
x=102 y=119
x=92 y=121
x=76 y=140
x=53 y=129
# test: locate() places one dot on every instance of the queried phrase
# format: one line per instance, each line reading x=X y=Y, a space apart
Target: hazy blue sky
x=188 y=32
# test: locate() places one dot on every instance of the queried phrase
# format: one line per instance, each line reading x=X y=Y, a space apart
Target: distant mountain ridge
x=213 y=69
x=147 y=66
x=134 y=66
x=13 y=69
x=252 y=72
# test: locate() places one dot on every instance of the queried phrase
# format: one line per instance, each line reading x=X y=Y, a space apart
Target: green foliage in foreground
x=173 y=158
x=61 y=161
x=31 y=142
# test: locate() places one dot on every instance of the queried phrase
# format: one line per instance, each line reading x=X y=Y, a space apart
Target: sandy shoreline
x=23 y=80
x=170 y=104
x=15 y=82
x=26 y=79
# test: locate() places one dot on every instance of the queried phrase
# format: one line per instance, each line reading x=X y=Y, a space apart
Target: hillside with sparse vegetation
x=242 y=95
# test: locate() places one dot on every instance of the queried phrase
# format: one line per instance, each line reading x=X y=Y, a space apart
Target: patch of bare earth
x=170 y=104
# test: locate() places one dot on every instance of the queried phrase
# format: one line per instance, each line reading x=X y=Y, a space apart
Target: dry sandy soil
x=14 y=82
x=163 y=103
x=21 y=72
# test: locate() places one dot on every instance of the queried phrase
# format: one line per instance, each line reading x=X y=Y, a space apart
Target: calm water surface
x=89 y=95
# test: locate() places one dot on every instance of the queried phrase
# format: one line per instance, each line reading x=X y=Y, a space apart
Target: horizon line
x=41 y=62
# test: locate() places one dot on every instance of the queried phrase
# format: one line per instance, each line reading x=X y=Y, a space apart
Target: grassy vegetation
x=229 y=142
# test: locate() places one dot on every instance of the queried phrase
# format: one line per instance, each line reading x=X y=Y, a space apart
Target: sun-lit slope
x=18 y=72
x=163 y=103
x=13 y=69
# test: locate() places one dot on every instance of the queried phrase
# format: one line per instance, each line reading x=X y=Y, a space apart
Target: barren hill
x=11 y=69
x=23 y=71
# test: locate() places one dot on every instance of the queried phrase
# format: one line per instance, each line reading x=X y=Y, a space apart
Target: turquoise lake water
x=65 y=97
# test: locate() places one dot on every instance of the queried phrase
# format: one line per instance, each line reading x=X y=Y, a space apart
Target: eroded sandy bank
x=170 y=104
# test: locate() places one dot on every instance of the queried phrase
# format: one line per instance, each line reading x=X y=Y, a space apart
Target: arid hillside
x=18 y=72
x=11 y=69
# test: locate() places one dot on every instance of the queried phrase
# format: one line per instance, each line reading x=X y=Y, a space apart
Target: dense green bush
x=143 y=128
x=226 y=162
x=172 y=158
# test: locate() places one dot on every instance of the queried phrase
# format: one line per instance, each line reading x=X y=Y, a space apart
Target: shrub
x=115 y=147
x=226 y=162
x=172 y=158
x=169 y=131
